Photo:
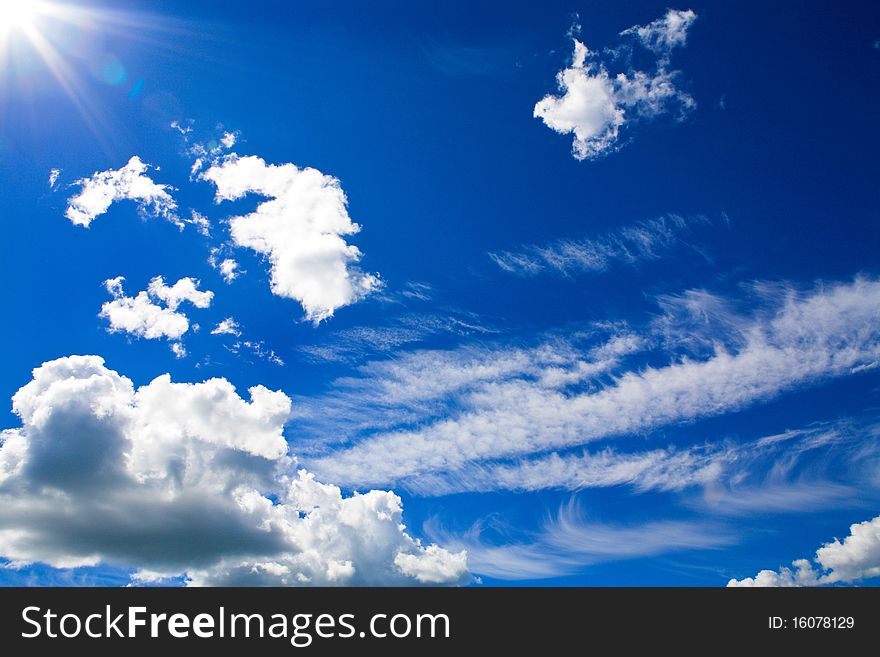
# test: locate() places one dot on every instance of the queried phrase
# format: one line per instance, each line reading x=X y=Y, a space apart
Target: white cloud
x=299 y=230
x=103 y=188
x=595 y=105
x=188 y=480
x=198 y=220
x=794 y=472
x=645 y=240
x=228 y=267
x=145 y=316
x=664 y=34
x=53 y=178
x=569 y=542
x=228 y=139
x=417 y=290
x=416 y=387
x=855 y=558
x=185 y=289
x=140 y=316
x=227 y=327
x=515 y=405
x=359 y=342
x=256 y=348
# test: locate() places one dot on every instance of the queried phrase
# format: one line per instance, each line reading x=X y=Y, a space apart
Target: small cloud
x=594 y=105
x=200 y=222
x=153 y=313
x=102 y=189
x=227 y=327
x=53 y=178
x=228 y=267
x=418 y=291
x=628 y=245
x=257 y=349
x=184 y=127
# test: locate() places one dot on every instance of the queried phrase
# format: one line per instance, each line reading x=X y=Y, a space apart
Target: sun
x=17 y=14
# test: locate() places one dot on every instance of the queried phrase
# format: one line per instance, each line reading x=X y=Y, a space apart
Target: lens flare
x=68 y=39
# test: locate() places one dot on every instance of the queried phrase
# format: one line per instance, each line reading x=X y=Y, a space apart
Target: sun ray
x=68 y=80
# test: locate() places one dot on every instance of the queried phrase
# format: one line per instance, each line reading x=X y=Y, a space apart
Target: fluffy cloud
x=300 y=230
x=594 y=105
x=855 y=558
x=103 y=188
x=186 y=289
x=191 y=480
x=153 y=313
x=514 y=404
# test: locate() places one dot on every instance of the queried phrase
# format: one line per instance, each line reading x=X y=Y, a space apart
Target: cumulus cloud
x=188 y=480
x=153 y=313
x=515 y=405
x=645 y=240
x=594 y=105
x=186 y=289
x=855 y=558
x=300 y=230
x=102 y=189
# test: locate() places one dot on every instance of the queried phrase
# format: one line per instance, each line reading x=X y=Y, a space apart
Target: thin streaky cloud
x=629 y=245
x=569 y=542
x=811 y=336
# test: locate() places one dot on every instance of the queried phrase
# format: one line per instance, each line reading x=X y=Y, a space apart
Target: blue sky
x=653 y=362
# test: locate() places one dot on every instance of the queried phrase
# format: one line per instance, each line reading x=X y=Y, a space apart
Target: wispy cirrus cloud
x=418 y=387
x=646 y=240
x=569 y=542
x=517 y=404
x=791 y=472
x=358 y=343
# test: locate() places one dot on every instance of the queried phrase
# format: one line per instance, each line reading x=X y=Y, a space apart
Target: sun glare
x=17 y=14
